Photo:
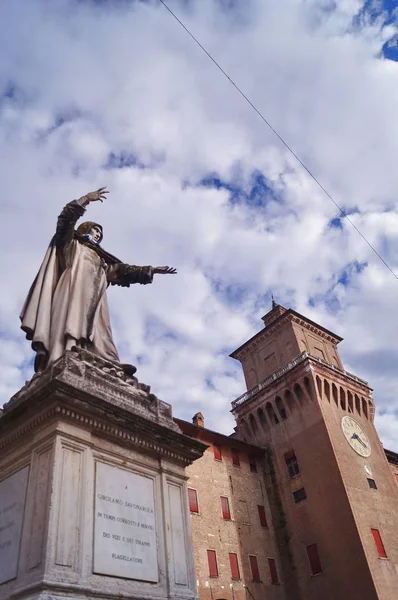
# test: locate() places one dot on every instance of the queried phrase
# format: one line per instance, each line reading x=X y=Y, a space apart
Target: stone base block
x=93 y=500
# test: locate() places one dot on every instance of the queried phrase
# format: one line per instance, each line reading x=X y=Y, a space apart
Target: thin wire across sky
x=238 y=89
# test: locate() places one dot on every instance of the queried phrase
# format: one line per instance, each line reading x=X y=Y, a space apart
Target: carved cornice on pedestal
x=78 y=389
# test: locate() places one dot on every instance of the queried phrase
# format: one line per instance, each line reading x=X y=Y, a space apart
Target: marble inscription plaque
x=124 y=525
x=12 y=506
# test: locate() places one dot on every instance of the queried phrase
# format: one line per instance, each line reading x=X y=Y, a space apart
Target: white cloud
x=387 y=426
x=92 y=79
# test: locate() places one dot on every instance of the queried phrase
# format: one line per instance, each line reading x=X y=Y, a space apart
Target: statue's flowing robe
x=67 y=303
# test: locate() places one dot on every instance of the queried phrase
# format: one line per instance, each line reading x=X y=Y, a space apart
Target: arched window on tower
x=297 y=389
x=271 y=413
x=319 y=385
x=280 y=408
x=335 y=394
x=308 y=388
x=327 y=389
x=357 y=404
x=290 y=401
x=261 y=418
x=253 y=425
x=343 y=399
x=350 y=401
x=365 y=407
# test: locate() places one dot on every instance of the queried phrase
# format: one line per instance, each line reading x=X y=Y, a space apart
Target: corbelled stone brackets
x=93 y=500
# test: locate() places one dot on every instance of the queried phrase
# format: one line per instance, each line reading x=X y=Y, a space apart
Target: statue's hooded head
x=91 y=228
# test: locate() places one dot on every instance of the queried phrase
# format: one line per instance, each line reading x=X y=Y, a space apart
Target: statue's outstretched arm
x=124 y=275
x=72 y=212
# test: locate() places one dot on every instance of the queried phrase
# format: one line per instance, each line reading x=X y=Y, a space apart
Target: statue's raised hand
x=97 y=195
x=165 y=270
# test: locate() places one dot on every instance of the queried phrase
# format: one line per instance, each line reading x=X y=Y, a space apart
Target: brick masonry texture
x=298 y=394
x=243 y=534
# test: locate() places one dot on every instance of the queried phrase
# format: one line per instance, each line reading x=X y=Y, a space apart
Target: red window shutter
x=235 y=457
x=289 y=455
x=254 y=568
x=212 y=560
x=193 y=500
x=225 y=508
x=379 y=543
x=217 y=453
x=233 y=561
x=273 y=571
x=261 y=514
x=313 y=557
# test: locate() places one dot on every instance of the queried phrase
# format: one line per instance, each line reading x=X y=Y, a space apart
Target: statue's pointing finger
x=165 y=270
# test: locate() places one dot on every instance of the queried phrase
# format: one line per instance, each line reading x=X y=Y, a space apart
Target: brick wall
x=243 y=534
x=300 y=409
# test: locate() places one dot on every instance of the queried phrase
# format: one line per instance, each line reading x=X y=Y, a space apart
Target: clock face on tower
x=356 y=436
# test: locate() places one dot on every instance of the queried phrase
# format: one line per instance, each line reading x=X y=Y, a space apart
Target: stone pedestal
x=93 y=500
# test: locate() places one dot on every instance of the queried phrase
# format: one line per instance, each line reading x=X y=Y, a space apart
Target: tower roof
x=276 y=316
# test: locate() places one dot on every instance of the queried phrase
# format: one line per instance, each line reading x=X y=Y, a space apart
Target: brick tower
x=333 y=496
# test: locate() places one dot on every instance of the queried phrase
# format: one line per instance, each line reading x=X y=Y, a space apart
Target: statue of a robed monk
x=66 y=305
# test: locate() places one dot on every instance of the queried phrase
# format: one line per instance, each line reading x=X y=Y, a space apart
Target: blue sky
x=115 y=93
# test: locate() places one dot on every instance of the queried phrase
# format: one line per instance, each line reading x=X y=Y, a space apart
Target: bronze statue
x=66 y=305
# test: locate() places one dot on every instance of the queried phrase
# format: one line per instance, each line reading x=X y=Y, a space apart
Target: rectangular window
x=262 y=517
x=193 y=500
x=217 y=453
x=235 y=457
x=254 y=568
x=314 y=560
x=319 y=353
x=252 y=464
x=225 y=508
x=233 y=561
x=379 y=543
x=299 y=495
x=372 y=484
x=212 y=560
x=273 y=571
x=291 y=464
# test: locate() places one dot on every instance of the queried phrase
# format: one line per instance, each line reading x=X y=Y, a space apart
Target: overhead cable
x=238 y=89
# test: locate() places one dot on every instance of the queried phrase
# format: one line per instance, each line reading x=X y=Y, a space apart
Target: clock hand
x=355 y=436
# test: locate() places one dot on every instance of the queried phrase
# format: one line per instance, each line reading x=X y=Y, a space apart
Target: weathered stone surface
x=78 y=386
x=12 y=506
x=100 y=380
x=125 y=526
x=88 y=434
